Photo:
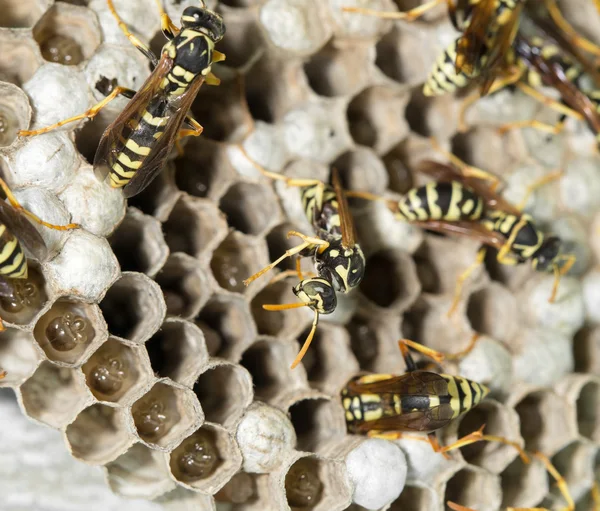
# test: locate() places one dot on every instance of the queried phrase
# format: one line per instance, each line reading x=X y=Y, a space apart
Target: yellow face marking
x=154 y=121
x=133 y=146
x=125 y=160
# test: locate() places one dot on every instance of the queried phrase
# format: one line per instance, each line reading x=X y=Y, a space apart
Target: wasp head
x=545 y=257
x=318 y=294
x=205 y=21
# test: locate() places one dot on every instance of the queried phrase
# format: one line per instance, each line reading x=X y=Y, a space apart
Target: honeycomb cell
x=428 y=116
x=160 y=196
x=576 y=463
x=278 y=243
x=67 y=34
x=235 y=259
x=29 y=296
x=268 y=361
x=582 y=391
x=250 y=208
x=361 y=169
x=491 y=310
x=99 y=434
x=283 y=324
x=376 y=117
x=474 y=487
x=524 y=484
x=223 y=110
x=339 y=70
x=117 y=371
x=133 y=307
x=139 y=473
x=245 y=39
x=241 y=489
x=54 y=395
x=195 y=226
x=206 y=460
x=18 y=355
x=204 y=170
x=139 y=243
x=349 y=25
x=17 y=14
x=224 y=391
x=414 y=498
x=316 y=419
x=20 y=57
x=15 y=112
x=178 y=351
x=329 y=363
x=165 y=415
x=69 y=331
x=184 y=285
x=303 y=487
x=390 y=280
x=229 y=317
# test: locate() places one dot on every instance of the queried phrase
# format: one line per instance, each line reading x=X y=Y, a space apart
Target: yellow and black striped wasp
x=16 y=232
x=135 y=146
x=388 y=406
x=339 y=260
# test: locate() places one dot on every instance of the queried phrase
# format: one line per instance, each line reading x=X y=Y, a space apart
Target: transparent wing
x=23 y=229
x=346 y=223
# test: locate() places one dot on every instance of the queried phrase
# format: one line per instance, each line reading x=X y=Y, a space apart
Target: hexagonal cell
x=223 y=110
x=329 y=362
x=133 y=307
x=54 y=395
x=166 y=414
x=19 y=14
x=339 y=70
x=178 y=351
x=99 y=434
x=316 y=419
x=117 y=371
x=432 y=116
x=474 y=487
x=139 y=243
x=575 y=462
x=237 y=258
x=224 y=391
x=69 y=331
x=184 y=285
x=18 y=355
x=268 y=363
x=15 y=113
x=195 y=226
x=204 y=170
x=274 y=84
x=246 y=39
x=206 y=460
x=588 y=410
x=361 y=169
x=286 y=323
x=242 y=489
x=524 y=484
x=229 y=317
x=390 y=281
x=376 y=117
x=250 y=208
x=278 y=243
x=20 y=57
x=139 y=473
x=28 y=298
x=67 y=34
x=414 y=498
x=160 y=196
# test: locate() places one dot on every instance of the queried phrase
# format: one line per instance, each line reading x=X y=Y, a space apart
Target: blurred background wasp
x=135 y=146
x=338 y=259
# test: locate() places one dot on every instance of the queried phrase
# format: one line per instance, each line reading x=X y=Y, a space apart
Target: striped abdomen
x=321 y=207
x=13 y=263
x=138 y=140
x=450 y=201
x=528 y=238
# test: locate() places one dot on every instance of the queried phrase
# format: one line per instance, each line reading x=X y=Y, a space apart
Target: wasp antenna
x=306 y=344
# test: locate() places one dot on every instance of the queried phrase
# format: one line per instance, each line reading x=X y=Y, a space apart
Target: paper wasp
x=135 y=146
x=16 y=232
x=339 y=260
x=387 y=406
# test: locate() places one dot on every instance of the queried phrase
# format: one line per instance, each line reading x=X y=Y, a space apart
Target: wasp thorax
x=67 y=331
x=153 y=418
x=302 y=484
x=318 y=294
x=344 y=267
x=199 y=456
x=62 y=50
x=108 y=376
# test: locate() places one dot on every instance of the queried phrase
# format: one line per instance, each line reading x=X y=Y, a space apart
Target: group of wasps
x=459 y=201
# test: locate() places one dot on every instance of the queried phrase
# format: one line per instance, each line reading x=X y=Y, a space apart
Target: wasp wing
x=471 y=45
x=423 y=420
x=414 y=382
x=472 y=230
x=346 y=223
x=22 y=228
x=155 y=161
x=112 y=139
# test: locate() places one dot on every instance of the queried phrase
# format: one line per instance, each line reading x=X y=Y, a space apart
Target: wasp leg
x=307 y=342
x=89 y=114
x=372 y=378
x=560 y=480
x=408 y=360
x=196 y=131
x=460 y=282
x=559 y=272
x=132 y=38
x=168 y=28
x=297 y=272
x=410 y=15
x=569 y=31
x=308 y=242
x=504 y=256
x=538 y=183
x=15 y=204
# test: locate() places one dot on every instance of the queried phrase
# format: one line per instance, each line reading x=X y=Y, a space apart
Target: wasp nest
x=138 y=340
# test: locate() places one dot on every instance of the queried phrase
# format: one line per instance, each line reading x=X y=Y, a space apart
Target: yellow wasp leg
x=166 y=24
x=89 y=114
x=570 y=32
x=460 y=282
x=411 y=15
x=538 y=183
x=503 y=256
x=297 y=272
x=558 y=273
x=132 y=38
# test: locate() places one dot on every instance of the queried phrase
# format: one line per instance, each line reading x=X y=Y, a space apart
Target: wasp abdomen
x=13 y=263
